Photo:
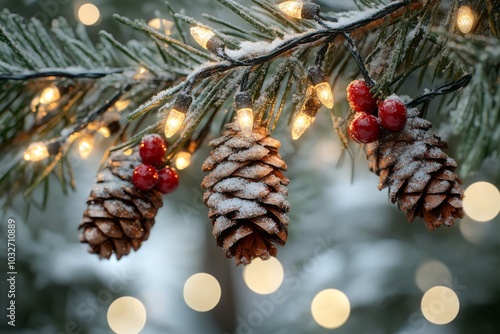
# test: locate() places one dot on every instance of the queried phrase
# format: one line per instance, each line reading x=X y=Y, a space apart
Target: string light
x=85 y=146
x=299 y=9
x=177 y=114
x=182 y=160
x=465 y=19
x=330 y=308
x=88 y=14
x=36 y=151
x=440 y=305
x=206 y=38
x=321 y=86
x=104 y=131
x=126 y=315
x=244 y=111
x=162 y=25
x=202 y=292
x=481 y=201
x=49 y=95
x=264 y=277
x=305 y=118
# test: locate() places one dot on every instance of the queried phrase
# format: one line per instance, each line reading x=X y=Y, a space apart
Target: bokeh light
x=163 y=25
x=482 y=201
x=126 y=315
x=431 y=273
x=330 y=308
x=202 y=292
x=264 y=277
x=440 y=305
x=88 y=14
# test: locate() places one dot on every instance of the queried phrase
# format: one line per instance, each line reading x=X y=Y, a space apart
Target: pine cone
x=118 y=216
x=246 y=194
x=420 y=176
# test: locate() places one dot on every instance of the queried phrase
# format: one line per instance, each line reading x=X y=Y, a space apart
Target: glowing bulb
x=104 y=131
x=174 y=122
x=85 y=146
x=264 y=277
x=292 y=8
x=182 y=160
x=202 y=292
x=128 y=152
x=36 y=152
x=431 y=273
x=465 y=19
x=88 y=14
x=440 y=305
x=49 y=95
x=202 y=35
x=481 y=201
x=330 y=308
x=245 y=120
x=324 y=94
x=121 y=105
x=162 y=25
x=126 y=315
x=300 y=124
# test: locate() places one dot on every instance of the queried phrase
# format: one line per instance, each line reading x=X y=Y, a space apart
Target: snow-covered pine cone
x=420 y=176
x=246 y=193
x=118 y=216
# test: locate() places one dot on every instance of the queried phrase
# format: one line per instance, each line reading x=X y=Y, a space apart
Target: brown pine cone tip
x=420 y=176
x=246 y=194
x=118 y=216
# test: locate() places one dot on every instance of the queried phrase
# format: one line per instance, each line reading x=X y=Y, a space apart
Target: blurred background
x=344 y=235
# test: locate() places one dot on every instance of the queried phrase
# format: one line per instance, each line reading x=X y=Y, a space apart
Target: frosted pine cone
x=118 y=216
x=246 y=194
x=420 y=176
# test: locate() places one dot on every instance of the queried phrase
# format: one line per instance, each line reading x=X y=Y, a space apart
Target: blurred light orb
x=440 y=305
x=264 y=277
x=161 y=25
x=471 y=231
x=182 y=160
x=481 y=201
x=202 y=292
x=88 y=14
x=465 y=19
x=48 y=95
x=85 y=146
x=126 y=315
x=431 y=273
x=330 y=308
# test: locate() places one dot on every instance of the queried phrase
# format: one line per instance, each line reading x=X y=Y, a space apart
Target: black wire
x=440 y=90
x=59 y=74
x=359 y=61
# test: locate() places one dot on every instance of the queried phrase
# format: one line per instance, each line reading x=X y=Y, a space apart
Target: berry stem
x=359 y=61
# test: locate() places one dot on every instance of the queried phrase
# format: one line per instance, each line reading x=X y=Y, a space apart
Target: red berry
x=360 y=98
x=392 y=114
x=145 y=177
x=364 y=128
x=168 y=181
x=153 y=149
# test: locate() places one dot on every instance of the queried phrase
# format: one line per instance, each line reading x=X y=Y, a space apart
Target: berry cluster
x=146 y=176
x=365 y=127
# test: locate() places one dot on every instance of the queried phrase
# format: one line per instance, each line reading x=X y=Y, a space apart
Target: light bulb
x=245 y=120
x=49 y=95
x=300 y=124
x=36 y=152
x=174 y=122
x=292 y=8
x=104 y=131
x=182 y=160
x=324 y=94
x=162 y=25
x=465 y=19
x=85 y=146
x=202 y=35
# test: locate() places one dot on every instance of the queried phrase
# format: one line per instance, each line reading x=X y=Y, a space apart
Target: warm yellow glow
x=34 y=103
x=264 y=277
x=88 y=14
x=201 y=35
x=330 y=308
x=85 y=146
x=292 y=8
x=440 y=305
x=431 y=273
x=104 y=131
x=126 y=315
x=465 y=19
x=140 y=72
x=128 y=152
x=482 y=201
x=300 y=124
x=174 y=122
x=36 y=152
x=324 y=94
x=121 y=105
x=245 y=120
x=182 y=160
x=49 y=95
x=162 y=25
x=202 y=292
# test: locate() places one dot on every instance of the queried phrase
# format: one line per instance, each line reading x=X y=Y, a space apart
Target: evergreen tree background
x=344 y=233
